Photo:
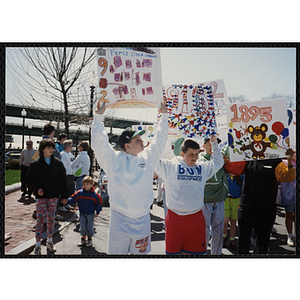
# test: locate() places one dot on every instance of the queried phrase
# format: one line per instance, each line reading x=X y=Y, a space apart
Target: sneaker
x=62 y=208
x=89 y=243
x=68 y=206
x=59 y=218
x=51 y=247
x=37 y=250
x=290 y=241
x=232 y=245
x=82 y=243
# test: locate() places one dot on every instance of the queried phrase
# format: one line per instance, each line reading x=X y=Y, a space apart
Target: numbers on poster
x=250 y=113
x=103 y=81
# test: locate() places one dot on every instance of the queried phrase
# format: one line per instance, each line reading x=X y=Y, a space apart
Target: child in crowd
x=185 y=179
x=88 y=202
x=47 y=179
x=81 y=164
x=215 y=193
x=130 y=184
x=67 y=157
x=231 y=205
x=288 y=201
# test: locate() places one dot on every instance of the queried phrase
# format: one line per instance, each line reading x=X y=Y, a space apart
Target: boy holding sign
x=185 y=179
x=130 y=173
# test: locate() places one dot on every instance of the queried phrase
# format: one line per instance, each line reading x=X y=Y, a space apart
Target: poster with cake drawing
x=129 y=77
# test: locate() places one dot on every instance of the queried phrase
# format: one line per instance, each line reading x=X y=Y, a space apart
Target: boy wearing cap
x=215 y=193
x=185 y=179
x=130 y=183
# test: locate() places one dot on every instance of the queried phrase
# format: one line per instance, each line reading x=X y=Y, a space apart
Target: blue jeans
x=214 y=220
x=87 y=225
x=79 y=182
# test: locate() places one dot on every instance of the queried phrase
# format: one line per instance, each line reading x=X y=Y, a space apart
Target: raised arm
x=104 y=152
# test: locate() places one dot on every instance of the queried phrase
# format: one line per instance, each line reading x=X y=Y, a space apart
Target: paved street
x=18 y=220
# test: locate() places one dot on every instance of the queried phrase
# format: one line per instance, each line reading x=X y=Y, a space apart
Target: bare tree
x=290 y=99
x=239 y=98
x=53 y=78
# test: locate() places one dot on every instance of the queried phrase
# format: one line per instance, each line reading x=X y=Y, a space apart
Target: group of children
x=130 y=174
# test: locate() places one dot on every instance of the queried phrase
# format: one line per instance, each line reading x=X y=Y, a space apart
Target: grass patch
x=12 y=176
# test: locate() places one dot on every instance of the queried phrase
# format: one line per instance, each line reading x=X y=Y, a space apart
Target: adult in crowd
x=257 y=208
x=25 y=160
x=60 y=141
x=81 y=164
x=48 y=131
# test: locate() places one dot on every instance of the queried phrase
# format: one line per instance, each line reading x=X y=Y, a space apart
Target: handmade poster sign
x=150 y=131
x=129 y=77
x=194 y=111
x=257 y=130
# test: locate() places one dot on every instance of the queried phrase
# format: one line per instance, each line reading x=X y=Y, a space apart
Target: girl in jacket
x=47 y=179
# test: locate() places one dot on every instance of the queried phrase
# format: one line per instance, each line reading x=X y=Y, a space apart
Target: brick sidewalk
x=19 y=221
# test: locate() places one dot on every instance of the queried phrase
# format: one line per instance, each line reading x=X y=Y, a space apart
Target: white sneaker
x=61 y=208
x=290 y=241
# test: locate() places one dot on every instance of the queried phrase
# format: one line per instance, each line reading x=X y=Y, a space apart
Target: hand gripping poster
x=257 y=130
x=194 y=112
x=129 y=77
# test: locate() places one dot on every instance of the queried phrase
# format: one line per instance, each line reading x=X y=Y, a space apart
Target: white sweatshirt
x=130 y=178
x=82 y=160
x=185 y=185
x=67 y=158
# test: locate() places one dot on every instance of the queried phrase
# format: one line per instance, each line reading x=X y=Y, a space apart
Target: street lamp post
x=23 y=114
x=29 y=127
x=92 y=83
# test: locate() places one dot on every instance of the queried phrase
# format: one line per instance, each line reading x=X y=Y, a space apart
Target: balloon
x=277 y=127
x=273 y=138
x=230 y=139
x=290 y=116
x=285 y=132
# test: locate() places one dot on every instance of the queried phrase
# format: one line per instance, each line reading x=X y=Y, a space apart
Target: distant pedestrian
x=60 y=142
x=48 y=131
x=89 y=204
x=81 y=164
x=25 y=160
x=47 y=179
x=67 y=157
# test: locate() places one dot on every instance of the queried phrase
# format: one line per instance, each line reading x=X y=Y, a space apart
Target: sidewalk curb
x=12 y=188
x=27 y=247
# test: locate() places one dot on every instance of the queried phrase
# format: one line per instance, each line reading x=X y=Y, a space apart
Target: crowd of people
x=201 y=193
